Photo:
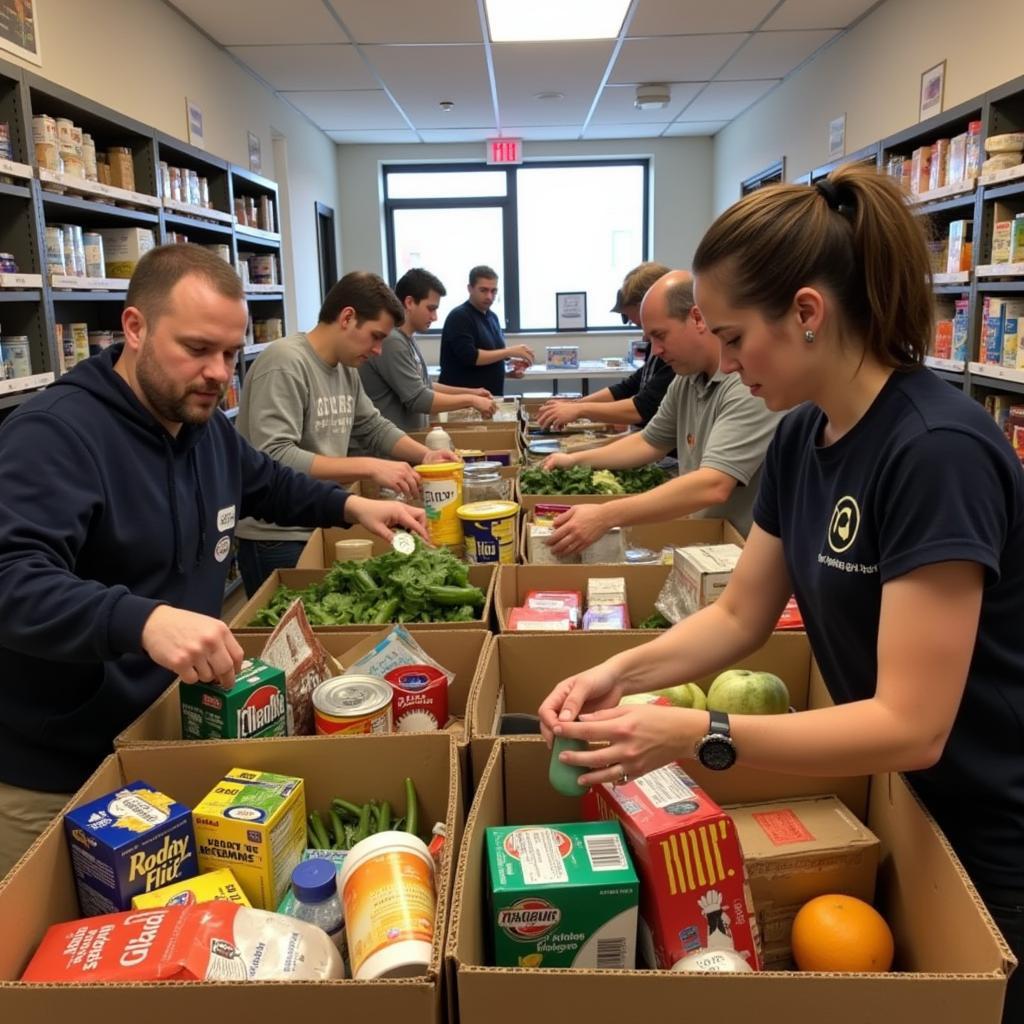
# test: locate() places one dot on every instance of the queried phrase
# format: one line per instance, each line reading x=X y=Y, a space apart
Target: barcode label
x=611 y=954
x=605 y=854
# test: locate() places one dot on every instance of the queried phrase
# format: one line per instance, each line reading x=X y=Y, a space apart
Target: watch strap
x=719 y=724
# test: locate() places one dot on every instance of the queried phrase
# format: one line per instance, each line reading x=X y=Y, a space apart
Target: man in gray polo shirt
x=721 y=432
x=396 y=381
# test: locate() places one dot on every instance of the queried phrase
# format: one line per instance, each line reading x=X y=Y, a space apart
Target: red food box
x=557 y=600
x=790 y=617
x=552 y=620
x=420 y=701
x=693 y=884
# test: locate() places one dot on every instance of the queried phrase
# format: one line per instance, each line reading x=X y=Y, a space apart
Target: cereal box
x=694 y=892
x=128 y=842
x=254 y=823
x=215 y=885
x=562 y=896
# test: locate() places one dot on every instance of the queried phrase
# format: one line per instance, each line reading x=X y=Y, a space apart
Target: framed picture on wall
x=837 y=137
x=255 y=153
x=19 y=29
x=932 y=83
x=194 y=118
x=570 y=311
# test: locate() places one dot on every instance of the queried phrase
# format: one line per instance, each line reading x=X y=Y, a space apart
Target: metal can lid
x=404 y=543
x=352 y=695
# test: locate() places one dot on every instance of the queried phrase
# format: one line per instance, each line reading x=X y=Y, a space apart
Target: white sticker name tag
x=226 y=518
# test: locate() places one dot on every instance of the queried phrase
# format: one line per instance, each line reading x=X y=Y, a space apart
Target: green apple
x=741 y=691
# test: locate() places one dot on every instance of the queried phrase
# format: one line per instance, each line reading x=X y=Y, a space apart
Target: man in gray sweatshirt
x=397 y=381
x=303 y=404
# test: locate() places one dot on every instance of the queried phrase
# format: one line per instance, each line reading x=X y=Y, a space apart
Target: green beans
x=411 y=810
x=348 y=823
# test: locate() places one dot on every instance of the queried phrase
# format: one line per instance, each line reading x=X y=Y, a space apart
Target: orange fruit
x=841 y=933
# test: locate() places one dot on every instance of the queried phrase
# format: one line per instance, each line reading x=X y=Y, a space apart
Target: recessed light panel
x=513 y=21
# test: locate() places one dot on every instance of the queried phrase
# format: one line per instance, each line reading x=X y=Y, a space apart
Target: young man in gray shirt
x=721 y=432
x=303 y=404
x=396 y=381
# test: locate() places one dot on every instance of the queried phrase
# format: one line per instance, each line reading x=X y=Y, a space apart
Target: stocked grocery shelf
x=15 y=391
x=957 y=202
x=258 y=235
x=20 y=280
x=1000 y=270
x=97 y=211
x=960 y=189
x=946 y=365
x=13 y=169
x=960 y=277
x=89 y=284
x=109 y=193
x=194 y=212
x=190 y=224
x=998 y=177
x=998 y=378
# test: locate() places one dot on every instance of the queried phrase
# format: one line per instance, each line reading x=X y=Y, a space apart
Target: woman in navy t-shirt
x=891 y=505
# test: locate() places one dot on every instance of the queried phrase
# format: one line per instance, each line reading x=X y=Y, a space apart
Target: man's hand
x=398 y=476
x=444 y=455
x=487 y=407
x=579 y=528
x=560 y=460
x=521 y=352
x=384 y=517
x=556 y=414
x=196 y=647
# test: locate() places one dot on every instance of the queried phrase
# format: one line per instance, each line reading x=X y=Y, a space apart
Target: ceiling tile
x=544 y=132
x=616 y=106
x=683 y=128
x=255 y=22
x=327 y=66
x=370 y=21
x=419 y=77
x=675 y=58
x=722 y=101
x=523 y=70
x=625 y=131
x=358 y=108
x=774 y=54
x=369 y=136
x=457 y=134
x=679 y=17
x=818 y=13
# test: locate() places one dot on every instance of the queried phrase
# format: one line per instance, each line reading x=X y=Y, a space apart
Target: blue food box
x=563 y=357
x=128 y=842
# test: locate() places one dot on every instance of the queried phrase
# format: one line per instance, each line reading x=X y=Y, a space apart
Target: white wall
x=681 y=185
x=873 y=74
x=140 y=58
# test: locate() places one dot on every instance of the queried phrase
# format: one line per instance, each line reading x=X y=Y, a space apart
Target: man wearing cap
x=633 y=401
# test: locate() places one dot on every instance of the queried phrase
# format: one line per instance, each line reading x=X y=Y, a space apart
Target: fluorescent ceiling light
x=514 y=21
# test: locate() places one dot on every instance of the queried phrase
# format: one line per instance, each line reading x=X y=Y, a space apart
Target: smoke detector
x=447 y=106
x=652 y=97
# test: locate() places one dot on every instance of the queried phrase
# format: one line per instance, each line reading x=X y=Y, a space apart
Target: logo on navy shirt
x=843 y=526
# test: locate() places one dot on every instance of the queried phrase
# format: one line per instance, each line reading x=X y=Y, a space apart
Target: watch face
x=717 y=753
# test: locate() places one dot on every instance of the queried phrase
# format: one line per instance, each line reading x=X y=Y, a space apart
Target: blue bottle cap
x=313 y=881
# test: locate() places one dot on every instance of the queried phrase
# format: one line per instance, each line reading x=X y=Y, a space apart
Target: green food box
x=256 y=706
x=562 y=896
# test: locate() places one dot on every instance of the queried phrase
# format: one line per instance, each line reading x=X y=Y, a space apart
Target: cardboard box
x=460 y=651
x=796 y=850
x=124 y=247
x=694 y=894
x=319 y=550
x=481 y=576
x=40 y=891
x=478 y=437
x=514 y=582
x=521 y=669
x=960 y=246
x=923 y=893
x=703 y=572
x=1002 y=231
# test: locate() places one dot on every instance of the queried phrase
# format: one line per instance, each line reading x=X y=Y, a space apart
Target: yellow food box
x=255 y=824
x=217 y=885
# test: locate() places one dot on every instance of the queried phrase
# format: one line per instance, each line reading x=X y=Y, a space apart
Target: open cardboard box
x=40 y=890
x=521 y=669
x=951 y=964
x=462 y=651
x=481 y=576
x=514 y=582
x=676 y=533
x=494 y=438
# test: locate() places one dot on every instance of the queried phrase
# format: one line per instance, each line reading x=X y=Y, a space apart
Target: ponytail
x=851 y=233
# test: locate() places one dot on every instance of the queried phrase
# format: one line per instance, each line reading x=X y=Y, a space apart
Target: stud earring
x=808 y=336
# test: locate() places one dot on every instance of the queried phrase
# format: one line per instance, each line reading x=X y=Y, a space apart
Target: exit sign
x=504 y=151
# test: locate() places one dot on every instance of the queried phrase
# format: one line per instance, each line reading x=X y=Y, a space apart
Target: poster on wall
x=932 y=82
x=19 y=30
x=255 y=154
x=194 y=117
x=837 y=137
x=570 y=311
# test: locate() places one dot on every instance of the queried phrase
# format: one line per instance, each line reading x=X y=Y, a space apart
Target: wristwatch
x=717 y=750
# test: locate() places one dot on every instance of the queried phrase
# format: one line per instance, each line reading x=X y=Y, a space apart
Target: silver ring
x=623 y=780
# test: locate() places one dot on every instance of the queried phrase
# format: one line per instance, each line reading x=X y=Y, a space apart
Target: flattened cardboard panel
x=479 y=575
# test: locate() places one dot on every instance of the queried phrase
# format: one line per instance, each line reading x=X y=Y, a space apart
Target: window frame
x=508 y=204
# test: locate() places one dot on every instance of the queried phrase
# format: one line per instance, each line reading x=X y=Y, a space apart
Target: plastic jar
x=356 y=550
x=438 y=440
x=442 y=496
x=315 y=888
x=482 y=481
x=387 y=889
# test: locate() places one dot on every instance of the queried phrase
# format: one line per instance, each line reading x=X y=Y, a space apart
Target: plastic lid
x=404 y=543
x=438 y=468
x=313 y=881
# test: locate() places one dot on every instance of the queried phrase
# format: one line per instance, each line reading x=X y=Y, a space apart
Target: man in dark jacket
x=122 y=488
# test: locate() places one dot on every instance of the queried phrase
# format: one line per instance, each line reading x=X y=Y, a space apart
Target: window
x=773 y=175
x=544 y=227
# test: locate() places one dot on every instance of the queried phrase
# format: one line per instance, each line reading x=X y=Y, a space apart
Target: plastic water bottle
x=438 y=440
x=315 y=887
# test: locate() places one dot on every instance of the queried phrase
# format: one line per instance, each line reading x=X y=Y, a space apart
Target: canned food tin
x=74 y=166
x=352 y=704
x=66 y=343
x=55 y=249
x=44 y=129
x=16 y=356
x=94 y=263
x=174 y=174
x=89 y=156
x=65 y=132
x=80 y=341
x=420 y=698
x=8 y=264
x=77 y=139
x=262 y=269
x=442 y=495
x=46 y=156
x=6 y=150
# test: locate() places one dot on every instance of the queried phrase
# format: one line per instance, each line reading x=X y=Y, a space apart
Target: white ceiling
x=376 y=71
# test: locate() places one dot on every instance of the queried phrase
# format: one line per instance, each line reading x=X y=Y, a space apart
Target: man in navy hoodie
x=122 y=486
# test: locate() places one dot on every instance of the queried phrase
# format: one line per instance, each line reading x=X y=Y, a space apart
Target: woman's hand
x=586 y=691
